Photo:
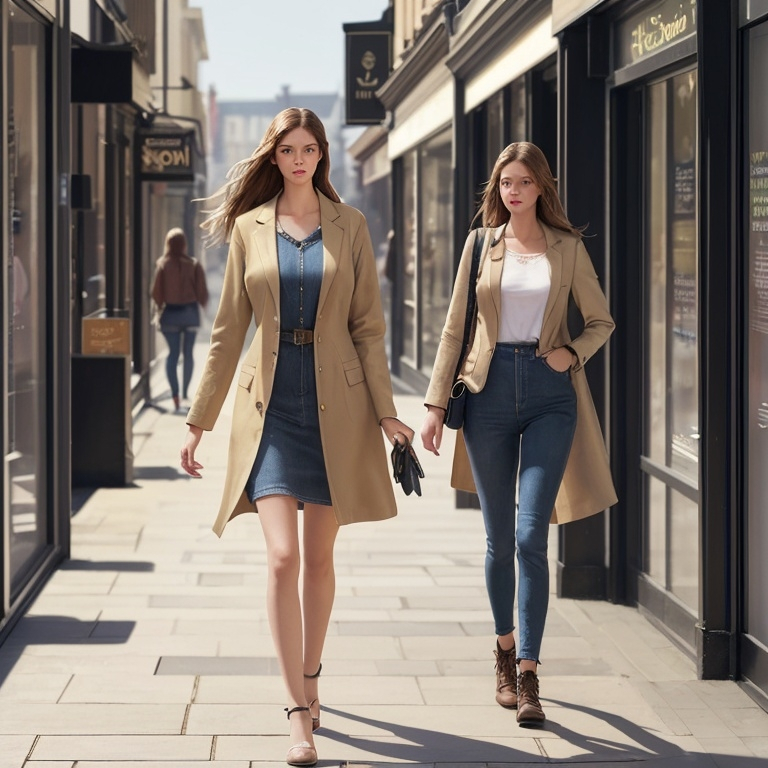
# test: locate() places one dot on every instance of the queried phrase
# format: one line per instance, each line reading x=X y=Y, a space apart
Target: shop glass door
x=670 y=450
x=756 y=416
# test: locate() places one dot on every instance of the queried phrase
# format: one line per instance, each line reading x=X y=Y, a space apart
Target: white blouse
x=525 y=283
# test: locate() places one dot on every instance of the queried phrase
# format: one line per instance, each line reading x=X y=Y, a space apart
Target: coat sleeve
x=591 y=301
x=227 y=337
x=452 y=337
x=366 y=322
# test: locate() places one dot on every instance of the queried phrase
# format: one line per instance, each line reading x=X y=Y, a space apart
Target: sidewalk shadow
x=158 y=473
x=425 y=746
x=652 y=746
x=65 y=630
x=649 y=745
x=58 y=630
x=428 y=746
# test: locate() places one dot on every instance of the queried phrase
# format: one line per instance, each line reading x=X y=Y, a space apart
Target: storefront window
x=672 y=398
x=519 y=116
x=26 y=315
x=756 y=416
x=409 y=244
x=89 y=221
x=495 y=129
x=436 y=242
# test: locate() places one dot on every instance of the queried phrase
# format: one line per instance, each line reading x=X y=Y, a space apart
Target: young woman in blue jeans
x=179 y=290
x=531 y=442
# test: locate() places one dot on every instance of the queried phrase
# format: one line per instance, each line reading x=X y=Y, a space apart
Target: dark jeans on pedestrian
x=521 y=423
x=179 y=342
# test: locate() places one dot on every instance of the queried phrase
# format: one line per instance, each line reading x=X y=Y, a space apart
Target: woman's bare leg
x=319 y=589
x=279 y=521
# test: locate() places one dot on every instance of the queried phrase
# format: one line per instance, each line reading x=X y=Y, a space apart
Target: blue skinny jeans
x=174 y=341
x=522 y=422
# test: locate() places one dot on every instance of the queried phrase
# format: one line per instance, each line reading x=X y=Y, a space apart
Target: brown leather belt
x=297 y=336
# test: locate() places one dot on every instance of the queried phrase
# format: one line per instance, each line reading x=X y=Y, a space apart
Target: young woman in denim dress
x=313 y=393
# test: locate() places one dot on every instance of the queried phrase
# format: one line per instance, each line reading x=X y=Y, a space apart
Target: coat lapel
x=264 y=239
x=333 y=237
x=496 y=261
x=555 y=259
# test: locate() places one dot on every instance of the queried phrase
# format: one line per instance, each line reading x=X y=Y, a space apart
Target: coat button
x=320 y=369
x=322 y=406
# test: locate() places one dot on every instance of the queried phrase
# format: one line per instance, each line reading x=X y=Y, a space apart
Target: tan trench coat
x=353 y=384
x=587 y=486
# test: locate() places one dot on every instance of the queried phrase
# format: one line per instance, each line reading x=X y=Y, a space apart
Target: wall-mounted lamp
x=449 y=14
x=185 y=85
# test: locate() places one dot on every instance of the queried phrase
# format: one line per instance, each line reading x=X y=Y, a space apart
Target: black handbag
x=454 y=412
x=406 y=468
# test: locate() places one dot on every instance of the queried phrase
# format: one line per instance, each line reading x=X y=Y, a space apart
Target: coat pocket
x=353 y=370
x=247 y=374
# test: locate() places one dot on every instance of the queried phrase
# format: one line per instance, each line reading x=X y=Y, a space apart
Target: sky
x=255 y=47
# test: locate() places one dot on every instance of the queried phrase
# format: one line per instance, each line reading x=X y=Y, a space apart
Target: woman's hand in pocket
x=560 y=359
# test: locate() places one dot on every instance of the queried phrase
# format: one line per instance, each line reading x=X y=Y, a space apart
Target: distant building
x=237 y=127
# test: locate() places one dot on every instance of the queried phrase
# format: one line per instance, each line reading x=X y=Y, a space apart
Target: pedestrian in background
x=530 y=424
x=179 y=290
x=313 y=391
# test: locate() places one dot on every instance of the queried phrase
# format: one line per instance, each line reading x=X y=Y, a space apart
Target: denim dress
x=290 y=459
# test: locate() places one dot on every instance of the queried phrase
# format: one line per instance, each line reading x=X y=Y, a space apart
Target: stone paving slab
x=113 y=747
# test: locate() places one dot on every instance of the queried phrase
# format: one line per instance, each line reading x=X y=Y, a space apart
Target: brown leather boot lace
x=529 y=711
x=506 y=678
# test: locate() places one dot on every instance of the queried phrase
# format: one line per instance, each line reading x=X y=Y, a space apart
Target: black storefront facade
x=35 y=317
x=83 y=223
x=654 y=115
x=663 y=151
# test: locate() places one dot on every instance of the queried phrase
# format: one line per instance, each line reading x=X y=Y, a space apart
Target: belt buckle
x=301 y=336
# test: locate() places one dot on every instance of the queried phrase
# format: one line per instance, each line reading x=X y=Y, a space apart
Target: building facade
x=653 y=116
x=83 y=83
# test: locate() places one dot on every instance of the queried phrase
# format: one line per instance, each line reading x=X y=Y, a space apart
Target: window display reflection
x=672 y=396
x=436 y=242
x=409 y=257
x=519 y=116
x=756 y=416
x=27 y=151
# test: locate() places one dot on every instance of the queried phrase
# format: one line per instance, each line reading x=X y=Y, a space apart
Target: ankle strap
x=295 y=709
x=317 y=674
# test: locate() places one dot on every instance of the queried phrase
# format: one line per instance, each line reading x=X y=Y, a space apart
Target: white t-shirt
x=525 y=283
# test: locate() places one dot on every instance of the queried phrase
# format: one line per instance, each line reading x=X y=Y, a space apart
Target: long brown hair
x=256 y=179
x=549 y=209
x=175 y=243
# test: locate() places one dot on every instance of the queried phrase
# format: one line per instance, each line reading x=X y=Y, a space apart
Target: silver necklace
x=524 y=258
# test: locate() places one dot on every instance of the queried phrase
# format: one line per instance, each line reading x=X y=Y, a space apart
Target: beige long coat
x=354 y=389
x=587 y=486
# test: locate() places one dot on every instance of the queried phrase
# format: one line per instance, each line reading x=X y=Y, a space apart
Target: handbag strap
x=477 y=249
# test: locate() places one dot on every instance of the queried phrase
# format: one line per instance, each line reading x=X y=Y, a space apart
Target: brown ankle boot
x=529 y=711
x=506 y=680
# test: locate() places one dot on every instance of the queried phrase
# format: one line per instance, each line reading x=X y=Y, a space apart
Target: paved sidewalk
x=150 y=648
